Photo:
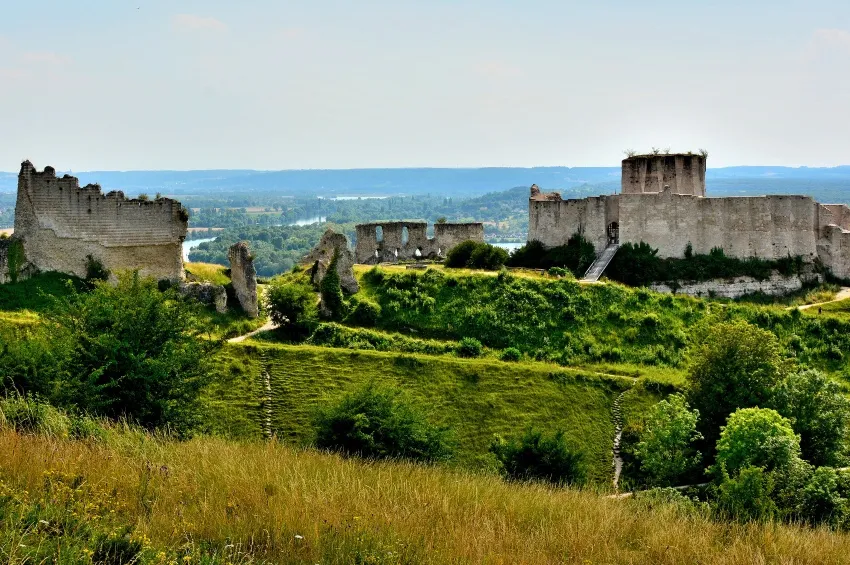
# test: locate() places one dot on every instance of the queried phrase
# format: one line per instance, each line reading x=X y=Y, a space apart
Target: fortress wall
x=61 y=223
x=684 y=174
x=837 y=214
x=771 y=227
x=448 y=235
x=834 y=250
x=553 y=222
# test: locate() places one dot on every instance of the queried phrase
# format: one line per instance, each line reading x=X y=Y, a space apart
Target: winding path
x=842 y=294
x=264 y=328
x=618 y=433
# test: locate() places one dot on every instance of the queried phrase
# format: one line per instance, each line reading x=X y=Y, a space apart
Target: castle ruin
x=387 y=242
x=662 y=202
x=62 y=226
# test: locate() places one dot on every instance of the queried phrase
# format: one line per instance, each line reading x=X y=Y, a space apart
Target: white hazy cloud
x=496 y=69
x=45 y=57
x=192 y=22
x=829 y=41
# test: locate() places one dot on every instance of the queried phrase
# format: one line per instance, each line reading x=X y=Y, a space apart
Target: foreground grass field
x=477 y=398
x=213 y=501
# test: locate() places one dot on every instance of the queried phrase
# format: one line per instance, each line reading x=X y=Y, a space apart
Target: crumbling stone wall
x=243 y=275
x=834 y=250
x=206 y=293
x=322 y=254
x=683 y=173
x=736 y=287
x=401 y=241
x=60 y=224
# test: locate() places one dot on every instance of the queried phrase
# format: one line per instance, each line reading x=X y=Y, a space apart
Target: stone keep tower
x=683 y=173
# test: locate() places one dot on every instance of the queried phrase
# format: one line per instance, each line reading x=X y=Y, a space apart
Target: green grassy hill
x=477 y=398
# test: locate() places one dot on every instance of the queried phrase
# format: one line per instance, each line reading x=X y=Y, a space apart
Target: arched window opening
x=405 y=236
x=418 y=252
x=379 y=234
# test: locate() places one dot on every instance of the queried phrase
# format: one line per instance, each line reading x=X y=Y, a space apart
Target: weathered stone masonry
x=662 y=203
x=383 y=242
x=60 y=224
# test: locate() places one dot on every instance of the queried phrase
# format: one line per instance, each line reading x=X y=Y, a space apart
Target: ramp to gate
x=602 y=260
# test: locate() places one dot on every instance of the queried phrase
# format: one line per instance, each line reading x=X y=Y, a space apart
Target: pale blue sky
x=321 y=84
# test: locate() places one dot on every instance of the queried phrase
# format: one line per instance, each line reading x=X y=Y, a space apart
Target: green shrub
x=364 y=313
x=821 y=501
x=95 y=271
x=26 y=414
x=511 y=354
x=291 y=304
x=469 y=347
x=377 y=422
x=757 y=437
x=639 y=264
x=747 y=497
x=535 y=456
x=476 y=255
x=576 y=255
x=665 y=450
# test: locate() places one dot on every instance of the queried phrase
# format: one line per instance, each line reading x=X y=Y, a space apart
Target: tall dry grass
x=280 y=505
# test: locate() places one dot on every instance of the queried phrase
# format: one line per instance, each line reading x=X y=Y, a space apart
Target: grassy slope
x=267 y=503
x=477 y=398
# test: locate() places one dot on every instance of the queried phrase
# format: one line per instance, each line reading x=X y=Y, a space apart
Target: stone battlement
x=61 y=223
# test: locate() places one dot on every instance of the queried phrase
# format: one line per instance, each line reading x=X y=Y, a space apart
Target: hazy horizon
x=152 y=85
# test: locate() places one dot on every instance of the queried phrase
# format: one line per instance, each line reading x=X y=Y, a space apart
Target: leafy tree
x=333 y=303
x=377 y=422
x=540 y=457
x=819 y=412
x=821 y=501
x=291 y=304
x=734 y=365
x=132 y=351
x=748 y=497
x=363 y=313
x=757 y=437
x=665 y=450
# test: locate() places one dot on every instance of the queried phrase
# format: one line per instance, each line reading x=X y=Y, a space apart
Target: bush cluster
x=377 y=422
x=536 y=456
x=476 y=255
x=639 y=265
x=576 y=255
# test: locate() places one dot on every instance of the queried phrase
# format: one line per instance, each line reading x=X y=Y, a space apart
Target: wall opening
x=379 y=234
x=418 y=252
x=405 y=236
x=613 y=233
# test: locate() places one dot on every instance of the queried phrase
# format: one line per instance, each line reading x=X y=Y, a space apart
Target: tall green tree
x=132 y=351
x=734 y=365
x=666 y=449
x=757 y=437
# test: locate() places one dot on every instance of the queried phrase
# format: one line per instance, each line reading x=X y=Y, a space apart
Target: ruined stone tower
x=62 y=224
x=683 y=173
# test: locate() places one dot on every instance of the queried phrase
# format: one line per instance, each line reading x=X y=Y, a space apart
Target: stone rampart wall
x=770 y=227
x=834 y=250
x=409 y=240
x=553 y=222
x=61 y=224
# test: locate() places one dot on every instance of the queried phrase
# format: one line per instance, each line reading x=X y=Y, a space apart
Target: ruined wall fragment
x=206 y=293
x=60 y=224
x=243 y=275
x=387 y=242
x=322 y=254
